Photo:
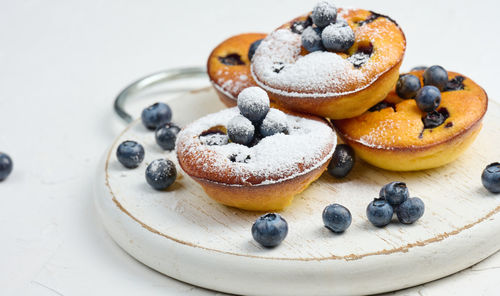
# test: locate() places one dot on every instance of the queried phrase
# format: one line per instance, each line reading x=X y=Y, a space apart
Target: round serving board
x=182 y=233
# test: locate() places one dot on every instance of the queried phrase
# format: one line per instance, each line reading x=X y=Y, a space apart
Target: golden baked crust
x=346 y=93
x=271 y=197
x=394 y=138
x=230 y=78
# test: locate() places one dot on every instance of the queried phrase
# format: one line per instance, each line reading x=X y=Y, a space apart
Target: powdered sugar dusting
x=214 y=139
x=233 y=86
x=310 y=35
x=383 y=130
x=275 y=122
x=239 y=124
x=322 y=73
x=276 y=158
x=317 y=72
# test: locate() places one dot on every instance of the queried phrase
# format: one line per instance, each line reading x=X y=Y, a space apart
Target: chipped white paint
x=186 y=235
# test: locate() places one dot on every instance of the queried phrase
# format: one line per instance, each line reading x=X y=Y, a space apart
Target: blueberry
x=215 y=139
x=274 y=123
x=407 y=86
x=253 y=48
x=161 y=173
x=437 y=76
x=240 y=130
x=341 y=21
x=418 y=68
x=338 y=37
x=231 y=59
x=298 y=27
x=337 y=218
x=311 y=39
x=491 y=177
x=130 y=154
x=379 y=212
x=428 y=98
x=410 y=210
x=278 y=66
x=6 y=166
x=324 y=13
x=433 y=119
x=270 y=230
x=155 y=115
x=382 y=105
x=253 y=103
x=342 y=161
x=395 y=193
x=456 y=83
x=166 y=134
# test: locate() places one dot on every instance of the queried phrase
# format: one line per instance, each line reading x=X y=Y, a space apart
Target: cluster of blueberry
x=328 y=32
x=256 y=119
x=160 y=173
x=394 y=198
x=271 y=229
x=6 y=166
x=427 y=97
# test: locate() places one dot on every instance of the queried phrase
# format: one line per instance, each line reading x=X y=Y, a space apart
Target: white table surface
x=62 y=63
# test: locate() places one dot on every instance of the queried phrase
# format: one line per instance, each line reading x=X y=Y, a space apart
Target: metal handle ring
x=148 y=81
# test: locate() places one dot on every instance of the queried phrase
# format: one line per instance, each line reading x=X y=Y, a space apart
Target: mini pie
x=393 y=136
x=228 y=67
x=264 y=176
x=328 y=84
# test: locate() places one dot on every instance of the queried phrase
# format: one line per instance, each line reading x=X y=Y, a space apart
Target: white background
x=62 y=63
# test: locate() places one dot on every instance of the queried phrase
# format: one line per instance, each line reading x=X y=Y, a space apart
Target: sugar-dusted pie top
x=309 y=143
x=280 y=64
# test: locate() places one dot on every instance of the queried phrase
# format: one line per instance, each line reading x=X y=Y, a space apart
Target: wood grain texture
x=460 y=214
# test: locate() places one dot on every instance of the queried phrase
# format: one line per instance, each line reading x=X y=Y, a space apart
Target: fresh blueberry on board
x=436 y=76
x=6 y=166
x=342 y=161
x=491 y=177
x=253 y=48
x=395 y=193
x=324 y=13
x=253 y=103
x=338 y=37
x=161 y=173
x=166 y=134
x=240 y=130
x=274 y=123
x=311 y=39
x=155 y=115
x=428 y=98
x=418 y=68
x=410 y=210
x=379 y=212
x=337 y=218
x=407 y=86
x=270 y=230
x=130 y=154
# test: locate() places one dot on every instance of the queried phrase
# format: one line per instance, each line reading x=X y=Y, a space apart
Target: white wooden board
x=184 y=234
